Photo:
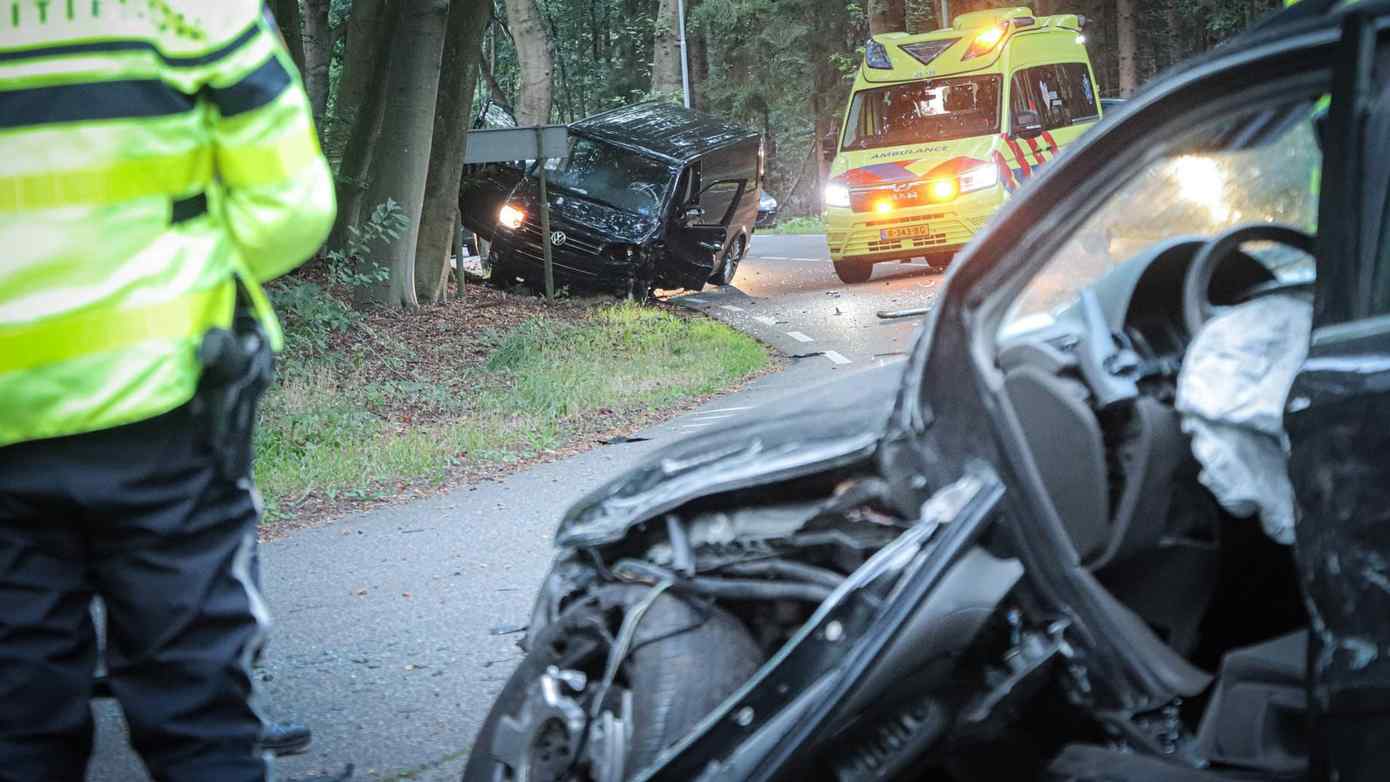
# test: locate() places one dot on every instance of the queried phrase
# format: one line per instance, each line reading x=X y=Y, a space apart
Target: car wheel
x=687 y=659
x=852 y=272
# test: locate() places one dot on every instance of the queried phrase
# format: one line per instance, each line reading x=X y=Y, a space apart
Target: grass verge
x=385 y=409
x=797 y=225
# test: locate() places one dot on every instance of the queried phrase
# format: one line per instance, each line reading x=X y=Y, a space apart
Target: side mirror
x=1027 y=124
x=692 y=213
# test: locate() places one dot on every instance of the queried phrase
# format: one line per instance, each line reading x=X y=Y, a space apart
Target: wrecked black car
x=1121 y=515
x=650 y=195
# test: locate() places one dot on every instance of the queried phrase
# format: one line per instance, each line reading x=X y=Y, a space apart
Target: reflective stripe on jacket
x=150 y=153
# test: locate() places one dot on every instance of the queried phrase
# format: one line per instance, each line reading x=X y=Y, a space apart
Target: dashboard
x=1093 y=391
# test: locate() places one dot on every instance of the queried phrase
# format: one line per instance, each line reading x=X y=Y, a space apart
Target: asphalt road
x=786 y=293
x=395 y=628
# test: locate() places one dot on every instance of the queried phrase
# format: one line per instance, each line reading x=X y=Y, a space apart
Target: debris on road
x=907 y=313
x=621 y=439
x=506 y=629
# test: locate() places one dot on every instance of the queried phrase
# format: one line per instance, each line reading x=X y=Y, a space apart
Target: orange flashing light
x=883 y=206
x=941 y=190
x=987 y=39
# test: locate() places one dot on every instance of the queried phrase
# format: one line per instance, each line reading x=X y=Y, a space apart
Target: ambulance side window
x=1078 y=92
x=1020 y=97
x=1062 y=95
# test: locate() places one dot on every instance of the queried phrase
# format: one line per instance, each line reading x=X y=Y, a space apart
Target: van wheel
x=725 y=274
x=852 y=272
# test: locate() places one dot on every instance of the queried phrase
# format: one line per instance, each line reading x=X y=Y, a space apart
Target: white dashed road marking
x=709 y=417
x=836 y=357
x=692 y=298
x=730 y=308
x=765 y=320
x=799 y=337
x=727 y=409
x=774 y=257
x=813 y=260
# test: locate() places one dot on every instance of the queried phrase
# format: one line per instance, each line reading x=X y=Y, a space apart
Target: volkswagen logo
x=558 y=238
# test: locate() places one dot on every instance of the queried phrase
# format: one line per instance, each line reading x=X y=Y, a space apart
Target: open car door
x=700 y=231
x=1338 y=419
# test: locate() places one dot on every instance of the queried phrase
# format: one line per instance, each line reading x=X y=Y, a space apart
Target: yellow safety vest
x=151 y=153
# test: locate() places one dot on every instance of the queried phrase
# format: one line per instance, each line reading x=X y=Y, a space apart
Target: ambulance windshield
x=937 y=110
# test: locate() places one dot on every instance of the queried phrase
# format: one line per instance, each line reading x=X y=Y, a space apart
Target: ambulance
x=941 y=127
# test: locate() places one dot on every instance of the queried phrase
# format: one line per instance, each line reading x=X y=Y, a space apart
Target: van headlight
x=510 y=217
x=837 y=194
x=978 y=178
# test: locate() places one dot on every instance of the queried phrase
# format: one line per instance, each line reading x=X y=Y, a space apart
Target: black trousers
x=141 y=516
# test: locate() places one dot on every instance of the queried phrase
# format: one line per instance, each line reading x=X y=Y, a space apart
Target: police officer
x=158 y=162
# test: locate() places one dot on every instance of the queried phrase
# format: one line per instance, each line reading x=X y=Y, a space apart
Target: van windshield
x=937 y=110
x=614 y=176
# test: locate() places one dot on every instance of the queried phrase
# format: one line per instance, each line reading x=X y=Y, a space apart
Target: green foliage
x=353 y=265
x=312 y=315
x=324 y=430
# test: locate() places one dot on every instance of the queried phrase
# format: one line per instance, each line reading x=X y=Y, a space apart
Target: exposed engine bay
x=645 y=629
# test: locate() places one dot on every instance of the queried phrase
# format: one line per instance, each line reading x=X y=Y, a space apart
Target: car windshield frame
x=557 y=176
x=889 y=138
x=1198 y=191
x=995 y=270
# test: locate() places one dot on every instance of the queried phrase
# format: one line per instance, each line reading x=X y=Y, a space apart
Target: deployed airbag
x=1231 y=392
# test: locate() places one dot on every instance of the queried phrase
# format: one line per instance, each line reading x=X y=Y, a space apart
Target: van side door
x=697 y=229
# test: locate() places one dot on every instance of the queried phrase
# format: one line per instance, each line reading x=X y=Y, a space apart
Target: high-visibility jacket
x=152 y=154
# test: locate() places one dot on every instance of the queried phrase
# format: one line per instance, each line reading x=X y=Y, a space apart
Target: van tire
x=724 y=275
x=852 y=272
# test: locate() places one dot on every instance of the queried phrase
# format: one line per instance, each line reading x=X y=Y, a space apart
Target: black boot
x=286 y=738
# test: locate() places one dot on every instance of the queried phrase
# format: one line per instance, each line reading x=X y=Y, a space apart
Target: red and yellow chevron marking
x=1013 y=172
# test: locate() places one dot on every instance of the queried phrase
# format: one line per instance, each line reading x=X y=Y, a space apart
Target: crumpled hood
x=827 y=426
x=569 y=209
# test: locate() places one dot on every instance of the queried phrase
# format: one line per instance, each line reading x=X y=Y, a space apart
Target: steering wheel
x=1197 y=308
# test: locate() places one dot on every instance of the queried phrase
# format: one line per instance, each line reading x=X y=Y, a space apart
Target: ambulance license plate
x=906 y=232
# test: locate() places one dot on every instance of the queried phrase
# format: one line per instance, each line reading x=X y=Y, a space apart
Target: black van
x=650 y=195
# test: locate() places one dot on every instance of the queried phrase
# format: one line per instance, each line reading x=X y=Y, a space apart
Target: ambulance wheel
x=851 y=272
x=939 y=262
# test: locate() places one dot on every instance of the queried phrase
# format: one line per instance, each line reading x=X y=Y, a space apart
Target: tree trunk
x=1127 y=46
x=362 y=59
x=287 y=16
x=452 y=115
x=887 y=16
x=359 y=108
x=1175 y=41
x=401 y=161
x=533 y=54
x=699 y=67
x=318 y=50
x=666 y=52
